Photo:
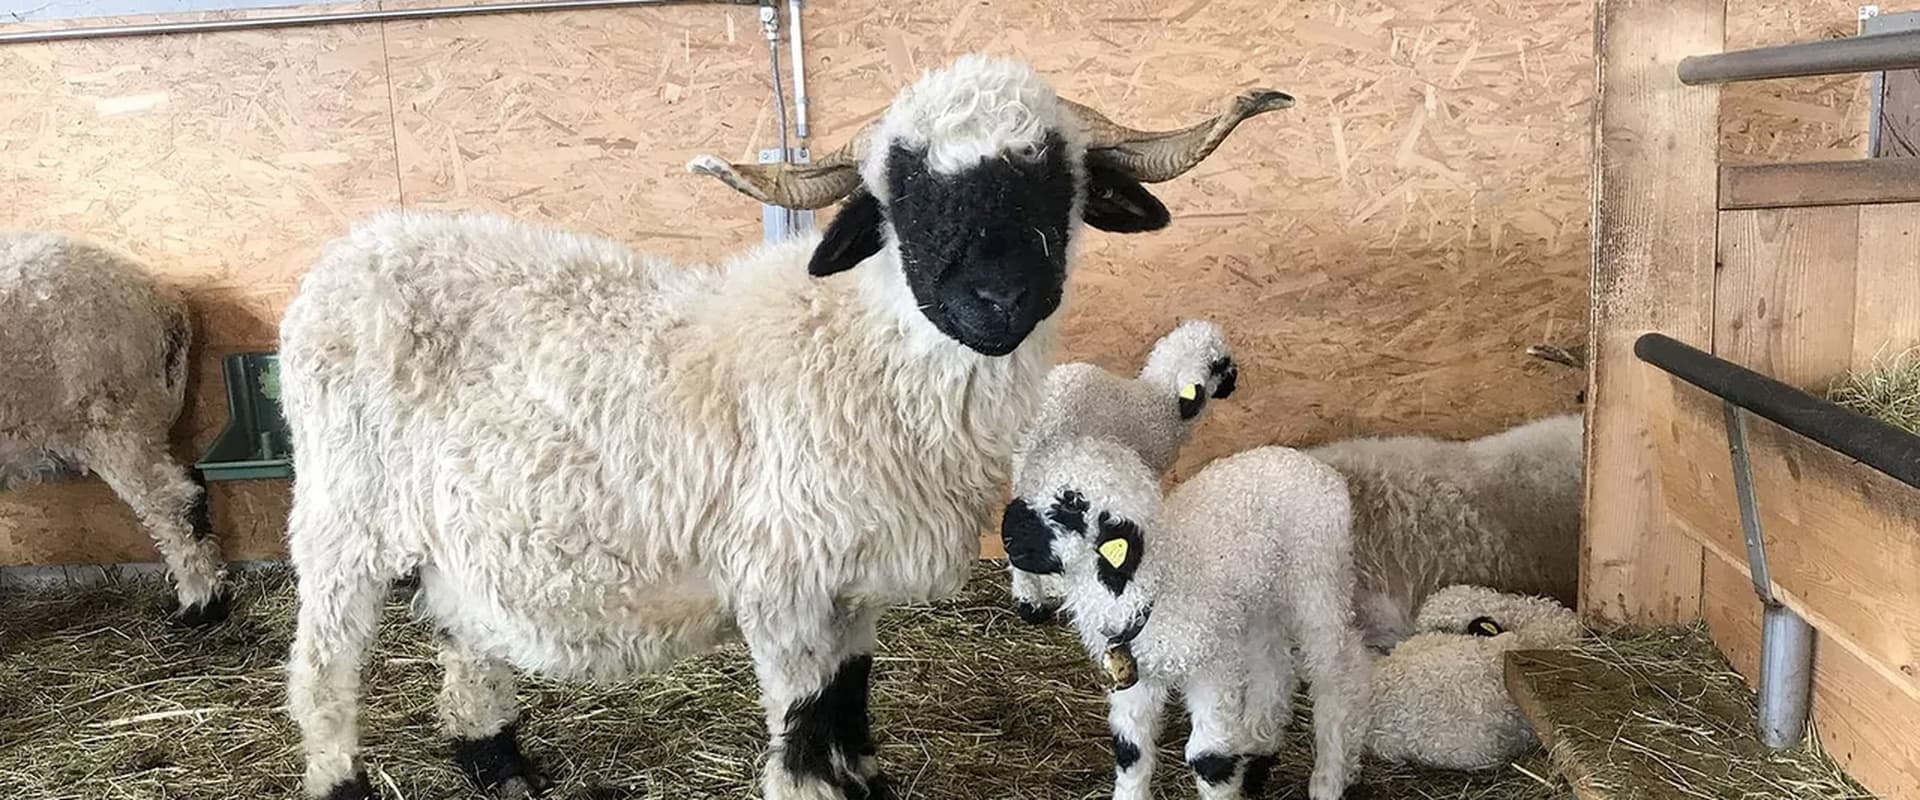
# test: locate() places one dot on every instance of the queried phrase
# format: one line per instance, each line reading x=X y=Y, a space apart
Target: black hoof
x=207 y=614
x=1036 y=613
x=356 y=789
x=495 y=765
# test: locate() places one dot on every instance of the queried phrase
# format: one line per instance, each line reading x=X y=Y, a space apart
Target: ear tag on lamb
x=1114 y=551
x=1122 y=670
x=1190 y=391
x=1485 y=626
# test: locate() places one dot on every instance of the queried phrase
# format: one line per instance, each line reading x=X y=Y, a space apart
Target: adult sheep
x=1501 y=511
x=94 y=354
x=599 y=462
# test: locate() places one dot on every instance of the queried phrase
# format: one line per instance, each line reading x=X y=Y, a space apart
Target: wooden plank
x=1895 y=128
x=1784 y=294
x=1820 y=183
x=1886 y=318
x=1865 y=723
x=1842 y=540
x=1653 y=240
x=1653 y=715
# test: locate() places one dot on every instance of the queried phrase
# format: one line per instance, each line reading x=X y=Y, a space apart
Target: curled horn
x=1146 y=156
x=1155 y=156
x=799 y=186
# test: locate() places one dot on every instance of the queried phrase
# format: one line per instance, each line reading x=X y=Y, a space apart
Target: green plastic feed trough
x=256 y=444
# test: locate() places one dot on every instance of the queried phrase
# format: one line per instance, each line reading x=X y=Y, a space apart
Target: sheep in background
x=1440 y=698
x=95 y=357
x=1208 y=593
x=1153 y=413
x=599 y=462
x=1501 y=511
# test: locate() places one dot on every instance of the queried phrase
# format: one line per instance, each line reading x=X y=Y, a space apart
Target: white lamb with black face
x=1210 y=593
x=600 y=462
x=1153 y=413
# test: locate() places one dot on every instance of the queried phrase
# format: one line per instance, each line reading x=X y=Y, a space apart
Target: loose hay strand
x=1888 y=390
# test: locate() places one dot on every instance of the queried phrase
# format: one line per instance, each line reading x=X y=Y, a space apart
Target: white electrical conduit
x=337 y=18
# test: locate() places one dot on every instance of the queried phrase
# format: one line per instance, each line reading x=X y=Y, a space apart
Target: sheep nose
x=1003 y=299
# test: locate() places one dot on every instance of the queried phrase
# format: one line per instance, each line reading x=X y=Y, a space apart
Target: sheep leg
x=333 y=632
x=1218 y=747
x=1134 y=717
x=1031 y=600
x=1269 y=711
x=478 y=713
x=815 y=662
x=172 y=508
x=1340 y=675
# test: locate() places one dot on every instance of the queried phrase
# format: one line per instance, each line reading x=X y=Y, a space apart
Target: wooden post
x=1656 y=151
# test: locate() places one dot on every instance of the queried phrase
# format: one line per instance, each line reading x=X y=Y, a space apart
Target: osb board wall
x=1380 y=255
x=1802 y=119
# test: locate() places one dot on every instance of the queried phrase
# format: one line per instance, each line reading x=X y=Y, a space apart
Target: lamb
x=1501 y=511
x=1439 y=699
x=1152 y=413
x=599 y=462
x=1209 y=594
x=95 y=357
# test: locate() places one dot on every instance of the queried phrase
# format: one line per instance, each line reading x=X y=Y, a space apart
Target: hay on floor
x=1660 y=714
x=101 y=699
x=1888 y=391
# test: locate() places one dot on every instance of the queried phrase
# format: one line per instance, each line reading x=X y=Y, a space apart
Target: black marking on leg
x=356 y=788
x=496 y=766
x=833 y=719
x=1122 y=538
x=1214 y=768
x=210 y=613
x=1125 y=753
x=199 y=517
x=1259 y=771
x=1036 y=613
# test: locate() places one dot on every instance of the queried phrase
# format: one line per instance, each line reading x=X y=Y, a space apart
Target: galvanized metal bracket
x=779 y=223
x=1736 y=423
x=1786 y=639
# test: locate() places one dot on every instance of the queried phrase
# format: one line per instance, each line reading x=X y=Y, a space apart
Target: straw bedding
x=101 y=699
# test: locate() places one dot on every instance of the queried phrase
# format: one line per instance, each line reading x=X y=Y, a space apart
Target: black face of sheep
x=984 y=249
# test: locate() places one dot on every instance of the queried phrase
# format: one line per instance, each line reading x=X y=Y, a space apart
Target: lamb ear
x=1117 y=203
x=1120 y=547
x=851 y=238
x=1028 y=542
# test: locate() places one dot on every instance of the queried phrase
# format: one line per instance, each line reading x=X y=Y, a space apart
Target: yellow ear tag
x=1190 y=391
x=1114 y=551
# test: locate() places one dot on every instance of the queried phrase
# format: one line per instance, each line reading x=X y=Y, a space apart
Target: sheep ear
x=853 y=235
x=1117 y=203
x=1028 y=542
x=1229 y=375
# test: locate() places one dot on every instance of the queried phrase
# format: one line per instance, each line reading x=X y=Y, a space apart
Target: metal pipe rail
x=1847 y=432
x=336 y=18
x=1873 y=52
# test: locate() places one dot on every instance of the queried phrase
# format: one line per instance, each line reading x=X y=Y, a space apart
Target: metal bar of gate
x=336 y=18
x=1870 y=53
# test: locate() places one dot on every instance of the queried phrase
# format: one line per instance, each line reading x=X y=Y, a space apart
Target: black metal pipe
x=334 y=18
x=1874 y=52
x=1847 y=432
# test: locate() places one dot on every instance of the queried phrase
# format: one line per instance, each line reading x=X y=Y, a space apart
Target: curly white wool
x=1242 y=565
x=1151 y=413
x=599 y=462
x=1439 y=697
x=1501 y=511
x=95 y=357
